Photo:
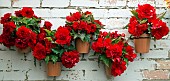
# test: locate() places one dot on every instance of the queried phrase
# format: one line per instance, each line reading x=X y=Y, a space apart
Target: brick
x=26 y=3
x=163 y=64
x=159 y=11
x=102 y=13
x=12 y=75
x=5 y=65
x=92 y=65
x=155 y=80
x=137 y=65
x=101 y=76
x=119 y=13
x=42 y=12
x=129 y=76
x=134 y=3
x=167 y=15
x=116 y=23
x=55 y=3
x=3 y=48
x=156 y=54
x=21 y=62
x=6 y=55
x=5 y=3
x=151 y=2
x=113 y=3
x=86 y=3
x=61 y=12
x=160 y=3
x=4 y=11
x=156 y=74
x=40 y=70
x=159 y=44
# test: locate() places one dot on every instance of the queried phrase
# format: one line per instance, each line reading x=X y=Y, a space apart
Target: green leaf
x=108 y=35
x=55 y=51
x=61 y=52
x=124 y=51
x=47 y=59
x=143 y=21
x=161 y=16
x=71 y=47
x=49 y=38
x=126 y=60
x=126 y=26
x=116 y=40
x=48 y=32
x=134 y=13
x=82 y=36
x=87 y=38
x=75 y=36
x=54 y=58
x=106 y=60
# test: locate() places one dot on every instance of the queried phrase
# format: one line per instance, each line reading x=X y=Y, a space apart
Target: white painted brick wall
x=5 y=3
x=26 y=3
x=113 y=3
x=55 y=3
x=119 y=13
x=85 y=3
x=114 y=14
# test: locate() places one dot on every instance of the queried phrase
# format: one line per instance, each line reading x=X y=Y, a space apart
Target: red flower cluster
x=15 y=32
x=25 y=12
x=74 y=17
x=69 y=59
x=44 y=42
x=135 y=28
x=47 y=25
x=25 y=37
x=114 y=47
x=118 y=67
x=159 y=29
x=83 y=23
x=146 y=21
x=39 y=51
x=50 y=43
x=146 y=11
x=6 y=36
x=6 y=18
x=63 y=36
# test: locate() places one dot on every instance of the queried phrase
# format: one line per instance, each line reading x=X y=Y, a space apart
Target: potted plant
x=114 y=51
x=83 y=27
x=55 y=48
x=20 y=30
x=144 y=25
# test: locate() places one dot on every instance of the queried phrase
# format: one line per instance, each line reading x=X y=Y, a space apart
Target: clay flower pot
x=82 y=47
x=108 y=72
x=24 y=51
x=54 y=69
x=142 y=44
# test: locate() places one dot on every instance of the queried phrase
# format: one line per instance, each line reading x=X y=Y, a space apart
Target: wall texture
x=153 y=66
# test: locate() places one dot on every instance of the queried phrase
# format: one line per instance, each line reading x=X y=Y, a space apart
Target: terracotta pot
x=108 y=72
x=24 y=51
x=54 y=69
x=82 y=47
x=142 y=44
